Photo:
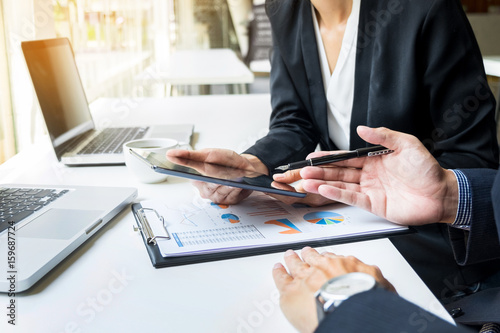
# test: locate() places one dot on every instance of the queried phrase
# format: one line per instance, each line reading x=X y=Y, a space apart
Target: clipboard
x=144 y=227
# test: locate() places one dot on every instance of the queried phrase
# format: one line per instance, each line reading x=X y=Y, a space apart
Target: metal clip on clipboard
x=145 y=227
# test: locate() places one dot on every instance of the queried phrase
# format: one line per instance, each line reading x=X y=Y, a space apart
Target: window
x=113 y=41
x=481 y=6
x=7 y=139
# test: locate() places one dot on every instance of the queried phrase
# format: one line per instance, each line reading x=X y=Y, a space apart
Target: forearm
x=278 y=148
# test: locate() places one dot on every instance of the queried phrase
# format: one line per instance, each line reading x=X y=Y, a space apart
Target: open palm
x=407 y=187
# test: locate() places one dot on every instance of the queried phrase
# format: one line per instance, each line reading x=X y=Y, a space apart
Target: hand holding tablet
x=231 y=174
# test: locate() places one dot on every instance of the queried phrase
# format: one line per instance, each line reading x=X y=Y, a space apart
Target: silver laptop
x=40 y=225
x=76 y=141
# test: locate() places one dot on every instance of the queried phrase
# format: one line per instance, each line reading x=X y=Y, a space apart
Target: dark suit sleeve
x=481 y=242
x=292 y=132
x=292 y=135
x=459 y=96
x=383 y=311
x=495 y=197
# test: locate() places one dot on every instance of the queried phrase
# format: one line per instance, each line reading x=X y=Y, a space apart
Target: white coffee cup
x=140 y=169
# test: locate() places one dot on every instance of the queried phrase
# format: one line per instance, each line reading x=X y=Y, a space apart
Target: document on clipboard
x=259 y=224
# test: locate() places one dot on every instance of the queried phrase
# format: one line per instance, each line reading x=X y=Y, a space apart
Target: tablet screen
x=214 y=173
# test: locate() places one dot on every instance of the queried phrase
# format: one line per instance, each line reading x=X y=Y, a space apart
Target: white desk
x=109 y=284
x=199 y=67
x=492 y=65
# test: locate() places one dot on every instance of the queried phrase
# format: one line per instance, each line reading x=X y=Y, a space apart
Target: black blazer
x=382 y=311
x=418 y=70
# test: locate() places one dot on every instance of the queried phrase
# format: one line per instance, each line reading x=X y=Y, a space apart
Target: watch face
x=346 y=285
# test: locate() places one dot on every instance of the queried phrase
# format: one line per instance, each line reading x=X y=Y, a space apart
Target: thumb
x=382 y=136
x=288 y=177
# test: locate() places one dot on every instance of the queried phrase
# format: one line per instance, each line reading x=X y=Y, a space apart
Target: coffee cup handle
x=183 y=145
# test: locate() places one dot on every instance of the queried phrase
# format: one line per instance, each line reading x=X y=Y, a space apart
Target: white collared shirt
x=339 y=86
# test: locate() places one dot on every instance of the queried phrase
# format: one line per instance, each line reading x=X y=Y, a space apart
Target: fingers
x=310 y=277
x=188 y=162
x=331 y=255
x=296 y=267
x=288 y=177
x=314 y=269
x=312 y=185
x=221 y=194
x=348 y=194
x=324 y=153
x=283 y=186
x=301 y=267
x=211 y=155
x=349 y=175
x=195 y=155
x=281 y=277
x=311 y=199
x=332 y=265
x=313 y=258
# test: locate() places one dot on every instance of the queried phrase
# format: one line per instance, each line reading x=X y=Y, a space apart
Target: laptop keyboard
x=18 y=203
x=111 y=140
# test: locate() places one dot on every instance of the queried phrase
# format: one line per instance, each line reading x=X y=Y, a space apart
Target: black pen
x=369 y=151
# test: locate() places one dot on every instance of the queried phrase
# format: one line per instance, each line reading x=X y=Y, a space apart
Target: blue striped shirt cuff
x=464 y=212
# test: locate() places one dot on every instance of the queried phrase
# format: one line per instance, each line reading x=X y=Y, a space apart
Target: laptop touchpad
x=59 y=223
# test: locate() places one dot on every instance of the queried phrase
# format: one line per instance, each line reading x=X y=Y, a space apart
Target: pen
x=369 y=151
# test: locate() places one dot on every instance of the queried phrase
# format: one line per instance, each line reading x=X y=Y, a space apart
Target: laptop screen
x=58 y=87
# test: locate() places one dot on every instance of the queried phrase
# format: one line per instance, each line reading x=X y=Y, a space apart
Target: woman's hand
x=242 y=164
x=284 y=181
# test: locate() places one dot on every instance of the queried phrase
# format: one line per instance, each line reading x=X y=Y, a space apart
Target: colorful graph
x=324 y=218
x=285 y=223
x=219 y=206
x=231 y=218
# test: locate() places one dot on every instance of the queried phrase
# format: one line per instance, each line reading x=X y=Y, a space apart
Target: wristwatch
x=340 y=288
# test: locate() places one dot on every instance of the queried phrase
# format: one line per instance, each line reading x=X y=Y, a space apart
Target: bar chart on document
x=201 y=226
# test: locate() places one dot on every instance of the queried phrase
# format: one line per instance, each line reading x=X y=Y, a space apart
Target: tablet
x=214 y=173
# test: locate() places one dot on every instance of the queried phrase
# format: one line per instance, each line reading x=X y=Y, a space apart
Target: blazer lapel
x=315 y=78
x=362 y=77
x=313 y=72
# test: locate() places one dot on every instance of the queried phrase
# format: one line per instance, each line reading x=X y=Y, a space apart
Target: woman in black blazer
x=418 y=70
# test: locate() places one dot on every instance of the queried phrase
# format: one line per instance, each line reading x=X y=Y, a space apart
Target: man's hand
x=407 y=187
x=304 y=278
